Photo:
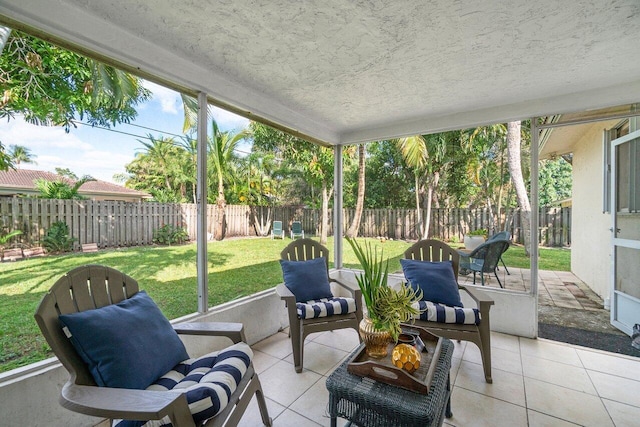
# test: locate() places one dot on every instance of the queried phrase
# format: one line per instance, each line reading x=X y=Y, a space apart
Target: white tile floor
x=535 y=383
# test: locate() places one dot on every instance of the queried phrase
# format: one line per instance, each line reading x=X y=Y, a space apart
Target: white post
x=201 y=204
x=338 y=218
x=533 y=250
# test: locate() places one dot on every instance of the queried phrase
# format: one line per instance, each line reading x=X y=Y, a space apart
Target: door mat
x=613 y=343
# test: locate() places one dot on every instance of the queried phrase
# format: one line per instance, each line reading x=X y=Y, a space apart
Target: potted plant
x=475 y=238
x=386 y=307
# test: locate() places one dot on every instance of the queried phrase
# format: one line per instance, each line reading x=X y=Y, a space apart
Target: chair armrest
x=483 y=300
x=285 y=294
x=233 y=331
x=289 y=301
x=356 y=293
x=118 y=403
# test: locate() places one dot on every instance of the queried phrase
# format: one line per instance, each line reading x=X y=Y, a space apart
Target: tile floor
x=535 y=383
x=556 y=288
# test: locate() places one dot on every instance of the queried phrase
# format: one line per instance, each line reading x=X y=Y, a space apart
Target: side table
x=368 y=403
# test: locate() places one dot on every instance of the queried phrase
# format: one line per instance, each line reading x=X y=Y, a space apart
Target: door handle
x=611 y=230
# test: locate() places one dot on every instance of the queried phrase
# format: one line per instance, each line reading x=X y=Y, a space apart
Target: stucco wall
x=590 y=235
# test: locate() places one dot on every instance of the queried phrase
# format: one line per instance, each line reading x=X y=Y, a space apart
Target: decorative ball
x=406 y=357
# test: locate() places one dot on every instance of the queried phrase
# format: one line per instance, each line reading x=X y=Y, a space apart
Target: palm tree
x=61 y=189
x=221 y=160
x=425 y=154
x=160 y=151
x=20 y=154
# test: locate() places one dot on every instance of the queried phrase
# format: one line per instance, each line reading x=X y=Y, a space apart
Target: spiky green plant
x=386 y=307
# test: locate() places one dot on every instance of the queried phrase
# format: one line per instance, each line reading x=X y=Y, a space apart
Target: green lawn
x=237 y=268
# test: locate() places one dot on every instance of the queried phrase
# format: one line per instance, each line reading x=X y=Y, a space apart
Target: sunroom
x=338 y=74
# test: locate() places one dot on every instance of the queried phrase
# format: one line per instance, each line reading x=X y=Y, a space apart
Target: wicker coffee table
x=368 y=403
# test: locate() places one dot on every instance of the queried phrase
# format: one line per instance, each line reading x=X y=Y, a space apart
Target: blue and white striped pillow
x=434 y=312
x=208 y=382
x=325 y=307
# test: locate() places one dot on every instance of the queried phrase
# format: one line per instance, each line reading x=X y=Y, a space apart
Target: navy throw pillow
x=307 y=280
x=126 y=345
x=436 y=279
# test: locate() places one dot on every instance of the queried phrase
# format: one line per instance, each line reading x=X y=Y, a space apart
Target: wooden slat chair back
x=304 y=250
x=437 y=251
x=84 y=288
x=434 y=250
x=94 y=286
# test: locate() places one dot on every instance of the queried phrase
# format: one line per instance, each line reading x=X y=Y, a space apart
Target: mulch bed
x=614 y=343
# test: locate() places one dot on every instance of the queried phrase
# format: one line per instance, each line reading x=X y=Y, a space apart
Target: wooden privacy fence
x=121 y=224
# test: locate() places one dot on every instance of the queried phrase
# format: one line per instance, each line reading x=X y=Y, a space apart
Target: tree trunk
x=418 y=211
x=433 y=184
x=324 y=220
x=355 y=224
x=221 y=204
x=515 y=169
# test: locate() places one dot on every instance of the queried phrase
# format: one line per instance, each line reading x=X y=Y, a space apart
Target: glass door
x=625 y=190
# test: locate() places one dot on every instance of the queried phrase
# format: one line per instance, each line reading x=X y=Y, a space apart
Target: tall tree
x=222 y=146
x=427 y=155
x=312 y=162
x=160 y=150
x=515 y=170
x=355 y=223
x=20 y=154
x=53 y=86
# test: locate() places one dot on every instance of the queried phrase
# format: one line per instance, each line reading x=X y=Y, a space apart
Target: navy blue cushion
x=307 y=280
x=436 y=279
x=126 y=345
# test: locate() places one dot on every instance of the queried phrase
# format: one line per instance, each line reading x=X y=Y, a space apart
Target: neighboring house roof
x=21 y=181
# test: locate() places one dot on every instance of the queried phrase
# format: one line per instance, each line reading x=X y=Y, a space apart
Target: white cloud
x=169 y=99
x=227 y=120
x=19 y=132
x=54 y=148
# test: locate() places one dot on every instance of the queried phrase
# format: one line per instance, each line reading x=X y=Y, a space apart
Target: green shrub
x=57 y=238
x=169 y=234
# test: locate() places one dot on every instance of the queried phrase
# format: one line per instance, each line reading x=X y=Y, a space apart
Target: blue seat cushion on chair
x=126 y=345
x=434 y=312
x=325 y=307
x=207 y=381
x=307 y=280
x=435 y=279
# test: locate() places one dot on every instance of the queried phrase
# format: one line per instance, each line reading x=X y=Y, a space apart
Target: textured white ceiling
x=345 y=71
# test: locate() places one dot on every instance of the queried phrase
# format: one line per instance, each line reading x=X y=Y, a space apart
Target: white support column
x=533 y=250
x=5 y=32
x=201 y=203
x=338 y=218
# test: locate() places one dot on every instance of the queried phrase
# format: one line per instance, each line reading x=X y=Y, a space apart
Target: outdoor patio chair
x=276 y=230
x=306 y=291
x=296 y=230
x=484 y=259
x=440 y=318
x=502 y=235
x=124 y=357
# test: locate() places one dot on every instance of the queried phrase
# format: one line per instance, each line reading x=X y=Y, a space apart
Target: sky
x=104 y=153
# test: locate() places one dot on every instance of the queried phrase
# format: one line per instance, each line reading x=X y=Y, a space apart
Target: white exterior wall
x=590 y=235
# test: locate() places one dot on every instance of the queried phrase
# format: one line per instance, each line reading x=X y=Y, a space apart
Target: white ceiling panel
x=343 y=72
